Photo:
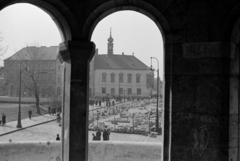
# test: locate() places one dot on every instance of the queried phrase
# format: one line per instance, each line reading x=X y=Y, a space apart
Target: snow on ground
x=128 y=137
x=48 y=131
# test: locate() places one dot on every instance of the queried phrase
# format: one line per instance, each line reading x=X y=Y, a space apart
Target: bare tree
x=35 y=72
x=3 y=50
x=55 y=101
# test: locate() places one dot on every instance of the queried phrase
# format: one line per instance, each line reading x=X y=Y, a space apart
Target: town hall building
x=118 y=75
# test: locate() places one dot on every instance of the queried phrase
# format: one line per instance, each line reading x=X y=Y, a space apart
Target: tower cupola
x=110 y=44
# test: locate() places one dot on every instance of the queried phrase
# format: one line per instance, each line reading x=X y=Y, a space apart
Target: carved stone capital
x=75 y=50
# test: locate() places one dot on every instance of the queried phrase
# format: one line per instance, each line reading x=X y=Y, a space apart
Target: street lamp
x=149 y=115
x=133 y=119
x=157 y=122
x=19 y=125
x=115 y=110
x=97 y=118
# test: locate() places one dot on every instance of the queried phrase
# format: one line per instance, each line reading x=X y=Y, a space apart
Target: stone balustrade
x=98 y=151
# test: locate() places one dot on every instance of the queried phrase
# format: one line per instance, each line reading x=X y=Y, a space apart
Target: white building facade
x=119 y=75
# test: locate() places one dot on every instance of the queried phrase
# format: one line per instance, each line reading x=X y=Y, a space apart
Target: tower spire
x=110 y=43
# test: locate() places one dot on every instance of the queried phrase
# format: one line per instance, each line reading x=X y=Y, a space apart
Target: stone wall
x=98 y=151
x=30 y=151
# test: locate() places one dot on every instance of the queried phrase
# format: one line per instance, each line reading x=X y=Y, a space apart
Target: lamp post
x=149 y=114
x=114 y=117
x=157 y=122
x=133 y=119
x=97 y=118
x=19 y=125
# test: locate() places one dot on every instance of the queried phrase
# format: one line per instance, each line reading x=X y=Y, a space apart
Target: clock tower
x=110 y=44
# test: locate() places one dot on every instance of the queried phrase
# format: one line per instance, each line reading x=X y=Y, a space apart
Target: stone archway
x=151 y=12
x=63 y=22
x=63 y=19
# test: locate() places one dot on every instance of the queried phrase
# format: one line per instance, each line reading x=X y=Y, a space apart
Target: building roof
x=36 y=53
x=118 y=62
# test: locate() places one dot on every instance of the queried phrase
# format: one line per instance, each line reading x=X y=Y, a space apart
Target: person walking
x=108 y=133
x=105 y=135
x=94 y=137
x=58 y=117
x=49 y=110
x=3 y=119
x=57 y=138
x=30 y=114
x=52 y=110
x=98 y=134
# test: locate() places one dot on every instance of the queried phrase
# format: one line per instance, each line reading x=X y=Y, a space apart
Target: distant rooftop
x=35 y=53
x=105 y=61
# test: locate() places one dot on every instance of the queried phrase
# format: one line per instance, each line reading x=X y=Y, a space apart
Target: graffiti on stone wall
x=198 y=117
x=199 y=138
x=196 y=127
x=201 y=50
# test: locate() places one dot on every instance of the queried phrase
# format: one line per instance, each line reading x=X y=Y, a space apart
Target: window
x=112 y=91
x=103 y=90
x=129 y=90
x=112 y=77
x=139 y=91
x=138 y=78
x=104 y=76
x=120 y=90
x=120 y=78
x=129 y=78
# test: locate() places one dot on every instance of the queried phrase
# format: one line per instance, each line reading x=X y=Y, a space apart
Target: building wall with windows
x=118 y=75
x=48 y=67
x=110 y=82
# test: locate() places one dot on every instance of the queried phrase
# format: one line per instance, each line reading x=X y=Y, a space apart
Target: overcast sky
x=133 y=32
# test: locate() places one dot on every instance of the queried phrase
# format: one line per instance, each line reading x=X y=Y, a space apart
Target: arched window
x=112 y=77
x=129 y=78
x=104 y=76
x=121 y=78
x=138 y=76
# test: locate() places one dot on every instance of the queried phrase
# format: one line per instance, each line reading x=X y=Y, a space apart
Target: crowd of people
x=52 y=110
x=105 y=134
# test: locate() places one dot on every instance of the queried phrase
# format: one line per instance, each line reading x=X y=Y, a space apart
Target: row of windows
x=121 y=91
x=112 y=78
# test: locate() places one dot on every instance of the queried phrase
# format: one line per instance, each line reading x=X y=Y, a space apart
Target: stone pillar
x=199 y=121
x=76 y=57
x=234 y=105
